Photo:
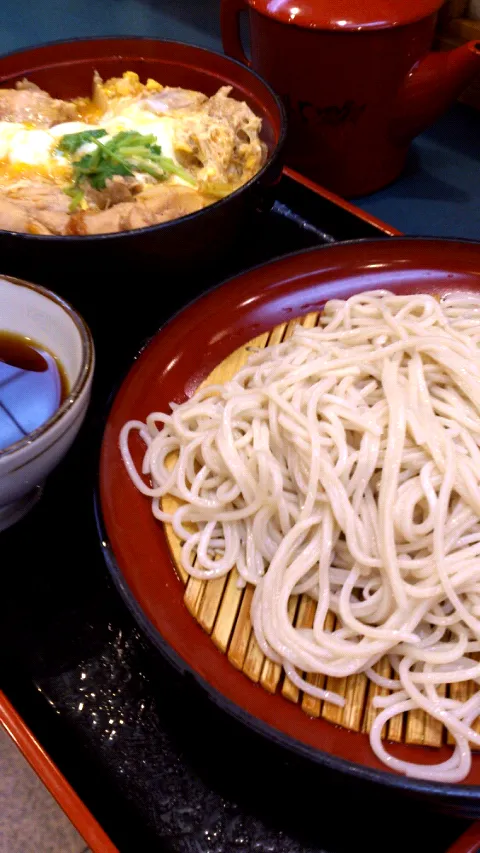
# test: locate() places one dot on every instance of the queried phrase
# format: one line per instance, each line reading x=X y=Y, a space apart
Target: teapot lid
x=346 y=14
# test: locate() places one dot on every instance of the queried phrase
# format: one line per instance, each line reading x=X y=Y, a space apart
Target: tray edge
x=53 y=779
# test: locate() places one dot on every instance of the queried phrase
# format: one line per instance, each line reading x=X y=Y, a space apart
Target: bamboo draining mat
x=223 y=611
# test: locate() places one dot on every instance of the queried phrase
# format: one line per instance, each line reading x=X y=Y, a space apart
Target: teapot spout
x=431 y=87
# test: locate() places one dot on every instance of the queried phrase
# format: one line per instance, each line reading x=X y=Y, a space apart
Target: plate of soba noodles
x=290 y=493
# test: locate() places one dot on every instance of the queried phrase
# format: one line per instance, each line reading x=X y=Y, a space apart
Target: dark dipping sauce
x=33 y=385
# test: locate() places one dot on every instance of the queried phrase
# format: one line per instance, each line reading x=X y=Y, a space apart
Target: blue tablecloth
x=439 y=192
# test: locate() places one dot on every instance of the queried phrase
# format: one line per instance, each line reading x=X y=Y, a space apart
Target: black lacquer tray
x=157 y=765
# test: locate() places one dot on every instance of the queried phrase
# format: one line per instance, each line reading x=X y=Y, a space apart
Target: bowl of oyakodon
x=135 y=146
x=290 y=507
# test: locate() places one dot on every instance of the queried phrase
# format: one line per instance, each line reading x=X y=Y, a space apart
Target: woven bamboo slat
x=222 y=608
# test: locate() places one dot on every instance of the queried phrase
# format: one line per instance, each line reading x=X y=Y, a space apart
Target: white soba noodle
x=345 y=463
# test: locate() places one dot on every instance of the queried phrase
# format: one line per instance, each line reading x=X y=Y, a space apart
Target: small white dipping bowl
x=32 y=311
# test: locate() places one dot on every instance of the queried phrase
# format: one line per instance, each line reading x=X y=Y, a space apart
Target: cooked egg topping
x=21 y=146
x=133 y=154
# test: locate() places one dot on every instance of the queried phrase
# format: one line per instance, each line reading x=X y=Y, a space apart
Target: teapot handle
x=230 y=24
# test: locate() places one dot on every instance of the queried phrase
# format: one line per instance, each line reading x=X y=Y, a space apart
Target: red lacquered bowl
x=178 y=358
x=65 y=70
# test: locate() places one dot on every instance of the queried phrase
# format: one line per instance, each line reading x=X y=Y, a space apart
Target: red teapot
x=357 y=77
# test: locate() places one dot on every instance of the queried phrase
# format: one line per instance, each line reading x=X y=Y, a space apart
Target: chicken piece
x=35 y=207
x=99 y=96
x=35 y=107
x=220 y=142
x=121 y=217
x=44 y=209
x=205 y=147
x=250 y=152
x=36 y=227
x=117 y=190
x=103 y=222
x=13 y=217
x=172 y=99
x=38 y=195
x=27 y=84
x=170 y=201
x=53 y=221
x=237 y=113
x=157 y=204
